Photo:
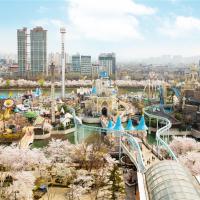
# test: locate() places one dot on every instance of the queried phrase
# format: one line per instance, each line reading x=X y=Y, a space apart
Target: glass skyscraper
x=38 y=42
x=22 y=50
x=86 y=65
x=108 y=60
x=76 y=63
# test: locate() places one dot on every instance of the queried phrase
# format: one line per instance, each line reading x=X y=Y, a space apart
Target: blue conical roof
x=142 y=125
x=16 y=110
x=110 y=124
x=38 y=91
x=3 y=97
x=118 y=126
x=129 y=126
x=94 y=90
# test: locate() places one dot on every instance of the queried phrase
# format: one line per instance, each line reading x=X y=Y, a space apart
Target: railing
x=127 y=142
x=161 y=132
x=133 y=150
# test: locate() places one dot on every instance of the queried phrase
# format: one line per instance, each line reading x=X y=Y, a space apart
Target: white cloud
x=107 y=20
x=40 y=22
x=181 y=26
x=48 y=22
x=57 y=23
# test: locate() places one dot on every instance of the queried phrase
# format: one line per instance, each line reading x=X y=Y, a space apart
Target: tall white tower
x=52 y=67
x=63 y=31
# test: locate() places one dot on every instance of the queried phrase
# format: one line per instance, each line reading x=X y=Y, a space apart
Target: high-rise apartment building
x=108 y=60
x=95 y=69
x=86 y=65
x=76 y=63
x=38 y=42
x=22 y=50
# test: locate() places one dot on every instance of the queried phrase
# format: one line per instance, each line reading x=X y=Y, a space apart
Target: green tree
x=116 y=182
x=41 y=82
x=7 y=83
x=65 y=108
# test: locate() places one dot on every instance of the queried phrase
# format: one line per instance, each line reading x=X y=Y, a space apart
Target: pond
x=43 y=143
x=15 y=92
x=151 y=138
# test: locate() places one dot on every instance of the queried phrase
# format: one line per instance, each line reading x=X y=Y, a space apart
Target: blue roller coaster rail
x=161 y=95
x=176 y=91
x=161 y=92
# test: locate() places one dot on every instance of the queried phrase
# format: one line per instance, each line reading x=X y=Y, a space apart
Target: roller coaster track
x=161 y=132
x=128 y=143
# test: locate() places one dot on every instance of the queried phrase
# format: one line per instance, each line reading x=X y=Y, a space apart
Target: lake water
x=46 y=92
x=151 y=138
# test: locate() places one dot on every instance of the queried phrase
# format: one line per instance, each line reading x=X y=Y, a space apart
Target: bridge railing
x=162 y=132
x=134 y=151
x=127 y=142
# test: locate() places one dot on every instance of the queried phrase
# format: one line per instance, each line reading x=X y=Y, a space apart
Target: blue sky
x=131 y=28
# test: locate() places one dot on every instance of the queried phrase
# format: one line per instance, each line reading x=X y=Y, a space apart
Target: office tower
x=76 y=63
x=38 y=40
x=108 y=60
x=22 y=50
x=86 y=65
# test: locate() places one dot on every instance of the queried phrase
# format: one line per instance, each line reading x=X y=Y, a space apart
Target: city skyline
x=131 y=29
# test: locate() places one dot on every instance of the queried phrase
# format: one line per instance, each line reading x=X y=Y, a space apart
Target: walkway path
x=27 y=138
x=56 y=193
x=149 y=157
x=175 y=132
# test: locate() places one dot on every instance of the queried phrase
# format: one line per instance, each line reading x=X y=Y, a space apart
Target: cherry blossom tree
x=16 y=171
x=187 y=151
x=22 y=186
x=81 y=185
x=90 y=156
x=19 y=168
x=181 y=145
x=192 y=161
x=59 y=151
x=15 y=159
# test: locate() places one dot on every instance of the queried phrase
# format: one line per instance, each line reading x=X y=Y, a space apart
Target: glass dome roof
x=169 y=180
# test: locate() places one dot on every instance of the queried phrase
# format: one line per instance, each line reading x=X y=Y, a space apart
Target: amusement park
x=97 y=143
x=99 y=100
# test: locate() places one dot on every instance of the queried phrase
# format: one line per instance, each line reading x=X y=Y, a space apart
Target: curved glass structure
x=169 y=180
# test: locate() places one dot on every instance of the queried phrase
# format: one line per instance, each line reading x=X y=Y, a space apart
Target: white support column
x=120 y=147
x=83 y=134
x=157 y=124
x=76 y=135
x=149 y=125
x=52 y=93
